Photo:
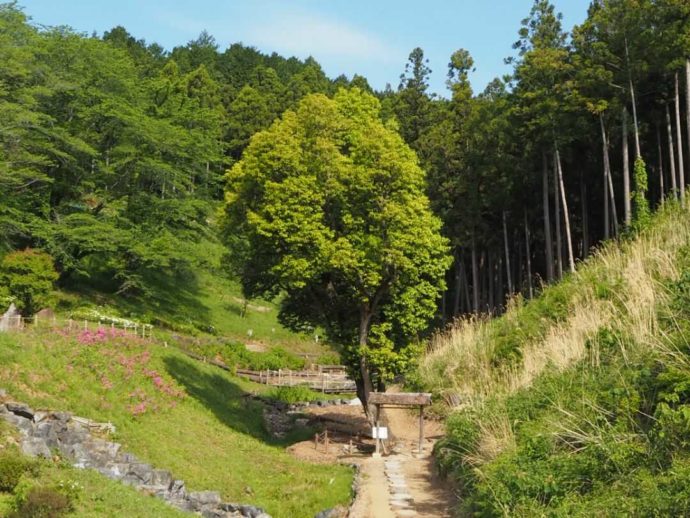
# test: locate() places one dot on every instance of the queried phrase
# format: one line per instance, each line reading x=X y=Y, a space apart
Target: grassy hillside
x=86 y=492
x=171 y=411
x=578 y=402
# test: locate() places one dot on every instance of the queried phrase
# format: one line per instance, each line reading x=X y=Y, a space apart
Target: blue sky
x=372 y=38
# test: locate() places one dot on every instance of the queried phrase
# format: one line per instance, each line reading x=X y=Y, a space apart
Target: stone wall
x=77 y=439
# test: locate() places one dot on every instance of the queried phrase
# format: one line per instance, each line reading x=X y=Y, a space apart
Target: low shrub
x=43 y=502
x=13 y=465
x=295 y=394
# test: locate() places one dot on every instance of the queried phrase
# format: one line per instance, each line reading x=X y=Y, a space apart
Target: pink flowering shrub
x=124 y=373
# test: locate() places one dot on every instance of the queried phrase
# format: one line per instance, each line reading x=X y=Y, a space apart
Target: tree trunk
x=363 y=381
x=466 y=287
x=491 y=290
x=547 y=220
x=626 y=171
x=585 y=222
x=529 y=260
x=458 y=285
x=507 y=250
x=557 y=218
x=475 y=277
x=671 y=155
x=681 y=167
x=638 y=152
x=661 y=166
x=566 y=216
x=687 y=100
x=607 y=169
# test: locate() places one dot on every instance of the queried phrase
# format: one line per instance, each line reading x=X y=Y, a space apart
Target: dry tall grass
x=459 y=361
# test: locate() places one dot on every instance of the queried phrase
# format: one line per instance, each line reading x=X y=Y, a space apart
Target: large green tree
x=330 y=205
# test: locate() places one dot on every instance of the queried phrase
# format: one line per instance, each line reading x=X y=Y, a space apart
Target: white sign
x=379 y=433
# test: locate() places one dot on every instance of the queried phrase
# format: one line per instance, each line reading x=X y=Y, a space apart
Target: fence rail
x=19 y=323
x=320 y=381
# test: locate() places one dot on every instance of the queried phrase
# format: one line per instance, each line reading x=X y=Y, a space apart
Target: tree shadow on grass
x=230 y=404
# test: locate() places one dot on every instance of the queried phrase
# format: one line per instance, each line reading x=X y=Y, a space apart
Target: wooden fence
x=19 y=323
x=325 y=382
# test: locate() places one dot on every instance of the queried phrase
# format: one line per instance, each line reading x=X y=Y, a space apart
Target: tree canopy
x=330 y=203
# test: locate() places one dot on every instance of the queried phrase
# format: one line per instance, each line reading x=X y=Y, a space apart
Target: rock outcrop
x=76 y=439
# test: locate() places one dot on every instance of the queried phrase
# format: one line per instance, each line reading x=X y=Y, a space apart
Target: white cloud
x=304 y=35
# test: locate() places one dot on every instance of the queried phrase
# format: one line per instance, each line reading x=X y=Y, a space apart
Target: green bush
x=28 y=276
x=43 y=502
x=13 y=465
x=295 y=394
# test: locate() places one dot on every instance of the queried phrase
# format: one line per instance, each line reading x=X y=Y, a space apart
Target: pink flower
x=139 y=408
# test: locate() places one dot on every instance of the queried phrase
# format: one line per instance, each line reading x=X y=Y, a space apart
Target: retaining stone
x=42 y=431
x=36 y=447
x=20 y=409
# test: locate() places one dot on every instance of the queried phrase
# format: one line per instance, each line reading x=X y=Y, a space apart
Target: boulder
x=138 y=474
x=114 y=470
x=204 y=498
x=22 y=423
x=20 y=409
x=177 y=489
x=35 y=447
x=46 y=430
x=161 y=477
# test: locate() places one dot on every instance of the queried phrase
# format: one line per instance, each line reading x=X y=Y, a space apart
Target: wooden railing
x=320 y=381
x=19 y=323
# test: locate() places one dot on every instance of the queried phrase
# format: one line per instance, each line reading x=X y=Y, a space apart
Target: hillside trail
x=399 y=484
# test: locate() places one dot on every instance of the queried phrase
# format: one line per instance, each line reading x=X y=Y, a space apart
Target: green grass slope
x=171 y=411
x=577 y=403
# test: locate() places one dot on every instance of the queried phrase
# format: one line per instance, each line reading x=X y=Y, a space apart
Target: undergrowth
x=577 y=403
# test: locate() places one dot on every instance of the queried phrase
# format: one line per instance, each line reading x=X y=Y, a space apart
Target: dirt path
x=399 y=484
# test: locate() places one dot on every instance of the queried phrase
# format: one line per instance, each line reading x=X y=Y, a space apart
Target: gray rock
x=36 y=447
x=114 y=470
x=177 y=489
x=139 y=474
x=22 y=423
x=127 y=457
x=40 y=415
x=204 y=497
x=161 y=477
x=63 y=417
x=45 y=430
x=20 y=409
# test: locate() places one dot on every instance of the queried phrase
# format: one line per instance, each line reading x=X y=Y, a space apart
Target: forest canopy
x=113 y=150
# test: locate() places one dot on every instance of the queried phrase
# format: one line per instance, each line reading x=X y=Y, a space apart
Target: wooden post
x=325 y=439
x=376 y=431
x=323 y=383
x=316 y=440
x=36 y=319
x=280 y=372
x=421 y=428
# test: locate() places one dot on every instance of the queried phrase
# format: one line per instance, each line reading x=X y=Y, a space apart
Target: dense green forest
x=114 y=150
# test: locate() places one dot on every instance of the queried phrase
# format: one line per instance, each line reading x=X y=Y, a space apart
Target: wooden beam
x=400 y=398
